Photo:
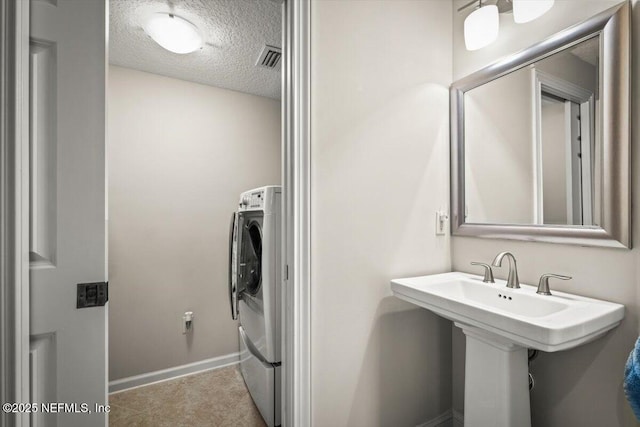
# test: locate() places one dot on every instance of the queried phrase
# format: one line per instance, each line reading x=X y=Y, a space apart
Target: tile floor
x=214 y=398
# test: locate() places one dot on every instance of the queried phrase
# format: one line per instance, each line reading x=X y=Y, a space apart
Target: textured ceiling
x=235 y=31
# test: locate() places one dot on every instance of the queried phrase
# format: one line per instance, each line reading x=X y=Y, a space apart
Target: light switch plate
x=441 y=223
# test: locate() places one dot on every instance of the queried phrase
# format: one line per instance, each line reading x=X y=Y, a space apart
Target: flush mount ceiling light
x=173 y=33
x=481 y=27
x=528 y=10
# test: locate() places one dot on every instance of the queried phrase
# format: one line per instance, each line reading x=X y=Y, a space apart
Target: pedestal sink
x=500 y=324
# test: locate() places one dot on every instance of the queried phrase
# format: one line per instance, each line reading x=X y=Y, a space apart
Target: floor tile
x=217 y=398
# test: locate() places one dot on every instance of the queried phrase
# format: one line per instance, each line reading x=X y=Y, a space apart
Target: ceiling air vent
x=270 y=57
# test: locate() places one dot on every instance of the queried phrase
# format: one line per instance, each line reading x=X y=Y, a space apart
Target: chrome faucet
x=488 y=273
x=543 y=284
x=512 y=281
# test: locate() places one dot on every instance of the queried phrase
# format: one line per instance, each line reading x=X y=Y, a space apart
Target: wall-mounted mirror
x=540 y=140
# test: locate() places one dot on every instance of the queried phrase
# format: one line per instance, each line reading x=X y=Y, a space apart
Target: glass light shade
x=528 y=10
x=173 y=33
x=481 y=27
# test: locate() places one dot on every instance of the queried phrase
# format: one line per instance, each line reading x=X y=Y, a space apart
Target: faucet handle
x=488 y=272
x=543 y=284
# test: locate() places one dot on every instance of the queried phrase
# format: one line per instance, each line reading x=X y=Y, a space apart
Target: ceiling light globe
x=173 y=33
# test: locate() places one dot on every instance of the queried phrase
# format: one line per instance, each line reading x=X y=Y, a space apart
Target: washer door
x=250 y=276
x=234 y=294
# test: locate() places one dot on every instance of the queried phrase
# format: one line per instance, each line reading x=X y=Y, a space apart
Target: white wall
x=570 y=68
x=554 y=162
x=580 y=387
x=499 y=151
x=179 y=155
x=380 y=77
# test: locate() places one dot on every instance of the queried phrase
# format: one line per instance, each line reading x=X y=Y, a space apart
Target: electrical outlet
x=441 y=223
x=187 y=322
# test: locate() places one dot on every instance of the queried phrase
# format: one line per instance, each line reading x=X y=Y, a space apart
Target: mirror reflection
x=530 y=142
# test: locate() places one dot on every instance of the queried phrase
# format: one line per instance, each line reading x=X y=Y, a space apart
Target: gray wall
x=179 y=155
x=380 y=77
x=580 y=387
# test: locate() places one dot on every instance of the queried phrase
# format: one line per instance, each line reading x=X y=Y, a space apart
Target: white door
x=67 y=211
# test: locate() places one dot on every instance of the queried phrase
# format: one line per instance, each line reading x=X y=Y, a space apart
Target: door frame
x=544 y=82
x=14 y=207
x=14 y=210
x=296 y=226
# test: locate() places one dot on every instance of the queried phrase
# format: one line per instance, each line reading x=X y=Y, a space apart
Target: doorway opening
x=189 y=137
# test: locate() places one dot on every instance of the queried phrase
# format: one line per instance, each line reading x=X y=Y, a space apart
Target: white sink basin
x=500 y=324
x=549 y=323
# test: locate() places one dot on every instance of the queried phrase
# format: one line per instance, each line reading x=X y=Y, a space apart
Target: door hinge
x=93 y=294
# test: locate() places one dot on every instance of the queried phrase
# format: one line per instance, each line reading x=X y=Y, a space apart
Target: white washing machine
x=254 y=291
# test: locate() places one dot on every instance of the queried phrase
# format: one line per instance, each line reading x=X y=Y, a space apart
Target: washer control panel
x=253 y=200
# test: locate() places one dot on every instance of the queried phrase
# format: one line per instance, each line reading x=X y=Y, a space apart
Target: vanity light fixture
x=482 y=25
x=528 y=10
x=173 y=33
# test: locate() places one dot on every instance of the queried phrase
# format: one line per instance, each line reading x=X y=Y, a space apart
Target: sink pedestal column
x=496 y=392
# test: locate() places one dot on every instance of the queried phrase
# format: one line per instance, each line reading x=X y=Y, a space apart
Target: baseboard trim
x=442 y=420
x=172 y=373
x=458 y=418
